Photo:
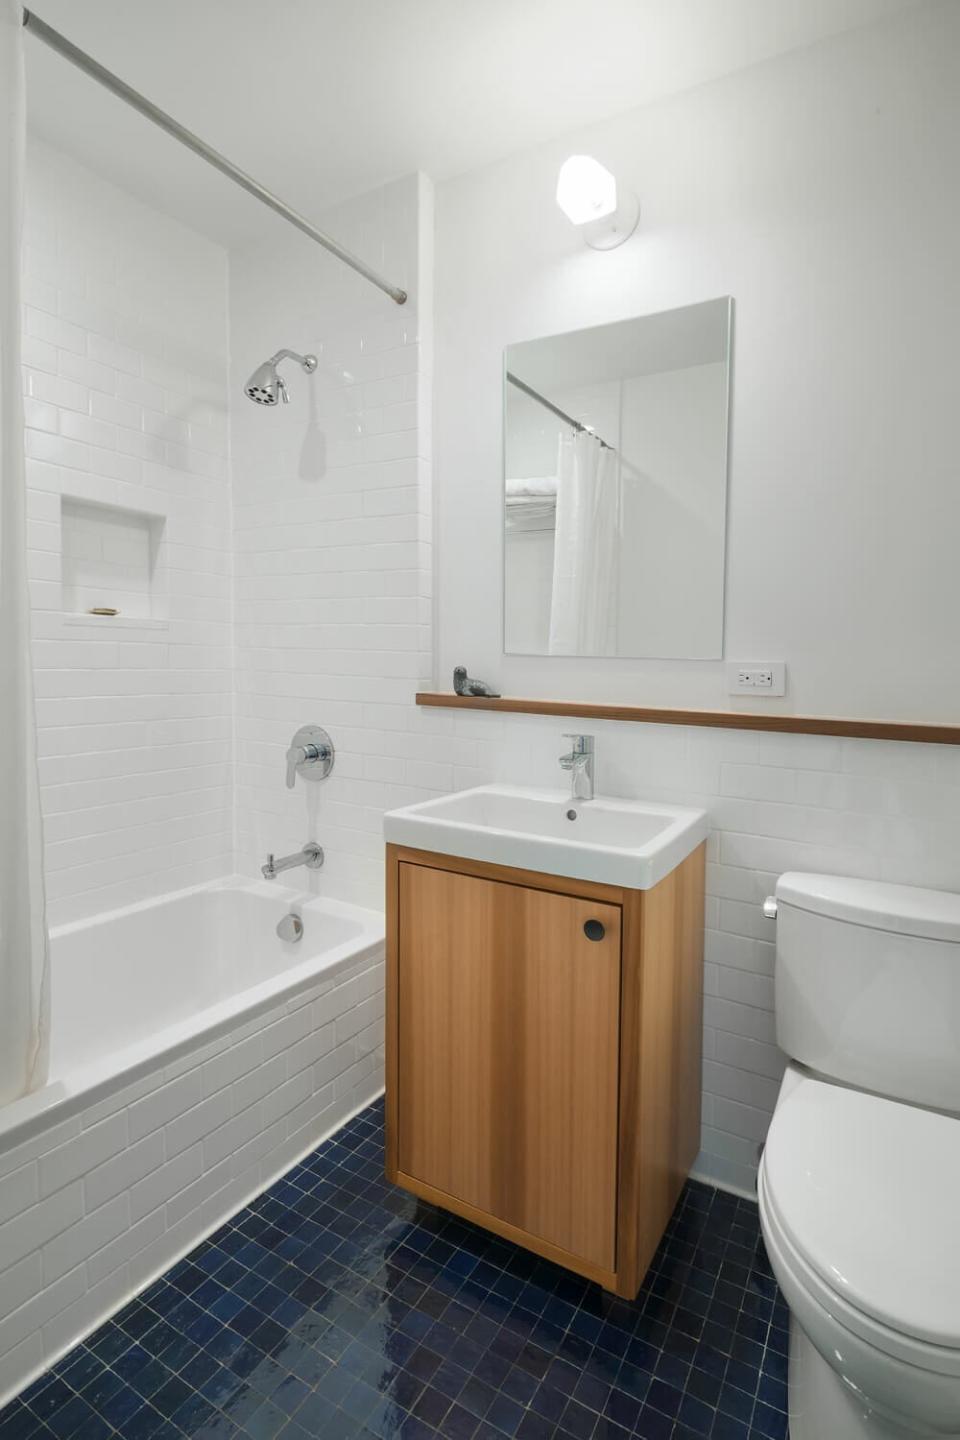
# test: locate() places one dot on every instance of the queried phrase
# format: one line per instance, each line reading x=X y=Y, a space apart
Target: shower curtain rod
x=577 y=425
x=35 y=26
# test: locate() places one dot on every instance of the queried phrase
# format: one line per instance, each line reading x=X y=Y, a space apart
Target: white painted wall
x=528 y=553
x=125 y=369
x=673 y=469
x=332 y=534
x=819 y=191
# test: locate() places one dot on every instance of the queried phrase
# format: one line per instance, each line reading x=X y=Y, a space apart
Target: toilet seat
x=822 y=1304
x=860 y=1195
x=884 y=1383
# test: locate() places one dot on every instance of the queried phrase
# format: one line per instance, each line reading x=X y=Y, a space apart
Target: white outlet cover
x=748 y=677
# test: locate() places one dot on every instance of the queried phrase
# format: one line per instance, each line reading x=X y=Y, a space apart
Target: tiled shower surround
x=125 y=377
x=332 y=537
x=338 y=1306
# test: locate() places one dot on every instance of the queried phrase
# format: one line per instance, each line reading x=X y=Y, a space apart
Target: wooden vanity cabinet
x=543 y=1053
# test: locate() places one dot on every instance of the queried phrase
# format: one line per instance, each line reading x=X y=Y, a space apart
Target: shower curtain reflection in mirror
x=24 y=982
x=583 y=615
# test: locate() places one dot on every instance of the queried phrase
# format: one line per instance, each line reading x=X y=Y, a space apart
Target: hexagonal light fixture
x=590 y=198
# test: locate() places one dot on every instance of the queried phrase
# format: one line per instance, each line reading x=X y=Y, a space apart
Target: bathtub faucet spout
x=311 y=855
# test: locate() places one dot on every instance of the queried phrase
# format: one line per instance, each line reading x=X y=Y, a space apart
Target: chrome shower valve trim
x=311 y=754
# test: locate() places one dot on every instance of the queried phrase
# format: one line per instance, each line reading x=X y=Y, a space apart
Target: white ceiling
x=322 y=100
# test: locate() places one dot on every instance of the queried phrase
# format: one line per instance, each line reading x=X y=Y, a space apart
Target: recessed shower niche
x=111 y=561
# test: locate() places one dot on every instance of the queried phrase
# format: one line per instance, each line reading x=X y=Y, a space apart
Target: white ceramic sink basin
x=615 y=842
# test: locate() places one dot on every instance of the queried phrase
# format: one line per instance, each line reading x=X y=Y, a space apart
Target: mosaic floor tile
x=338 y=1306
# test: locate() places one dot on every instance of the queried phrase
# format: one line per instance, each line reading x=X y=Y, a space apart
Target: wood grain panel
x=510 y=874
x=606 y=1278
x=928 y=732
x=508 y=1053
x=660 y=1083
x=391 y=1053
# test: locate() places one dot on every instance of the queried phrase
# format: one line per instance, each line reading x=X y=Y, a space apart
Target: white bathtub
x=195 y=1056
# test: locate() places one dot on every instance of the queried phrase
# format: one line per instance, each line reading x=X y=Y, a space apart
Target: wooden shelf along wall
x=935 y=733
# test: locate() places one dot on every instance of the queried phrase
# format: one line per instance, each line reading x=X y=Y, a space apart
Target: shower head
x=266 y=387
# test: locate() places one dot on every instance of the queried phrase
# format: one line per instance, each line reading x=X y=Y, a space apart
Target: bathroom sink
x=615 y=842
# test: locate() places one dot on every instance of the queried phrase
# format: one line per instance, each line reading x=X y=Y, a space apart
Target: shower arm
x=307 y=362
x=65 y=48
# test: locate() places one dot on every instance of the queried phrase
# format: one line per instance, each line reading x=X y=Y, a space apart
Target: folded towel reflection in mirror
x=528 y=486
x=531 y=502
x=463 y=685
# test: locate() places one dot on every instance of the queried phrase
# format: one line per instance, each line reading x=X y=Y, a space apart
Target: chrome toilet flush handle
x=311 y=754
x=770 y=907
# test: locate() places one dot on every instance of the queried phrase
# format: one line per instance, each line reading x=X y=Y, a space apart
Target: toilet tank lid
x=901 y=909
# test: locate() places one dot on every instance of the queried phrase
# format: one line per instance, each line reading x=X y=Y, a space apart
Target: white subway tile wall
x=91 y=1209
x=125 y=376
x=110 y=557
x=333 y=537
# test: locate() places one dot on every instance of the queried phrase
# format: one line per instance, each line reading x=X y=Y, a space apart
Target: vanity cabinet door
x=508 y=1049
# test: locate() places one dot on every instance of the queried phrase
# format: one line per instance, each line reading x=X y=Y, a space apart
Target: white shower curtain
x=586 y=549
x=24 y=976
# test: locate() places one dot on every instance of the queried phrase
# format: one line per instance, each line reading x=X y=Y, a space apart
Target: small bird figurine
x=463 y=685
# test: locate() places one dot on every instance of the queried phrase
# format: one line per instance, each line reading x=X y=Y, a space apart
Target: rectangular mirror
x=615 y=487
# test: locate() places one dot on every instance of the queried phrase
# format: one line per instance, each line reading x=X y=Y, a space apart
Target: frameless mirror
x=615 y=487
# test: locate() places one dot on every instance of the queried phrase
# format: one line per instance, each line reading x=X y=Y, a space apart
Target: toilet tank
x=868 y=985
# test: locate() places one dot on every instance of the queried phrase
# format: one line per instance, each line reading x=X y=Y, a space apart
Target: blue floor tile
x=337 y=1306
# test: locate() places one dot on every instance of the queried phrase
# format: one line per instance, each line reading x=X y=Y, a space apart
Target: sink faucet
x=311 y=855
x=580 y=764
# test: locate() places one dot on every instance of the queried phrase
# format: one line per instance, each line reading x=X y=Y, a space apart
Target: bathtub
x=195 y=1057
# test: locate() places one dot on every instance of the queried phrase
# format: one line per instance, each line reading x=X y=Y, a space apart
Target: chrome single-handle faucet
x=311 y=855
x=579 y=762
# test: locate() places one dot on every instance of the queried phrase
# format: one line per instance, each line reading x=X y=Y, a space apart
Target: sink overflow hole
x=571 y=814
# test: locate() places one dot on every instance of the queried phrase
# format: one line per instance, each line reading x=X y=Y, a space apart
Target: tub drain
x=290 y=928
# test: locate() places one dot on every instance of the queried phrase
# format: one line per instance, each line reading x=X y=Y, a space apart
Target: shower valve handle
x=296 y=755
x=310 y=755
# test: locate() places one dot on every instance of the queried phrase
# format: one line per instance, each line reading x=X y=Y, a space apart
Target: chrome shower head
x=266 y=387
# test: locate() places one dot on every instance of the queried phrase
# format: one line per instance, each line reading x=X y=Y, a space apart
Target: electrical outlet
x=756 y=677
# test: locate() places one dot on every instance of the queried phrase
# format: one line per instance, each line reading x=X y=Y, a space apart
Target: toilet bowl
x=859 y=1184
x=858 y=1200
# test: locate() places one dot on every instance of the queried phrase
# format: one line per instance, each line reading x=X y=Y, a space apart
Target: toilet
x=859 y=1184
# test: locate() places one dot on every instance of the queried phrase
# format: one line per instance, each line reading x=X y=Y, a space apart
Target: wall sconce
x=590 y=198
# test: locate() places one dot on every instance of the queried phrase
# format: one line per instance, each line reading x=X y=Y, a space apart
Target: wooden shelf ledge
x=913 y=730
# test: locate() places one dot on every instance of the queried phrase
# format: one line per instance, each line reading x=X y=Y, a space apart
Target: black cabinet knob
x=593 y=929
